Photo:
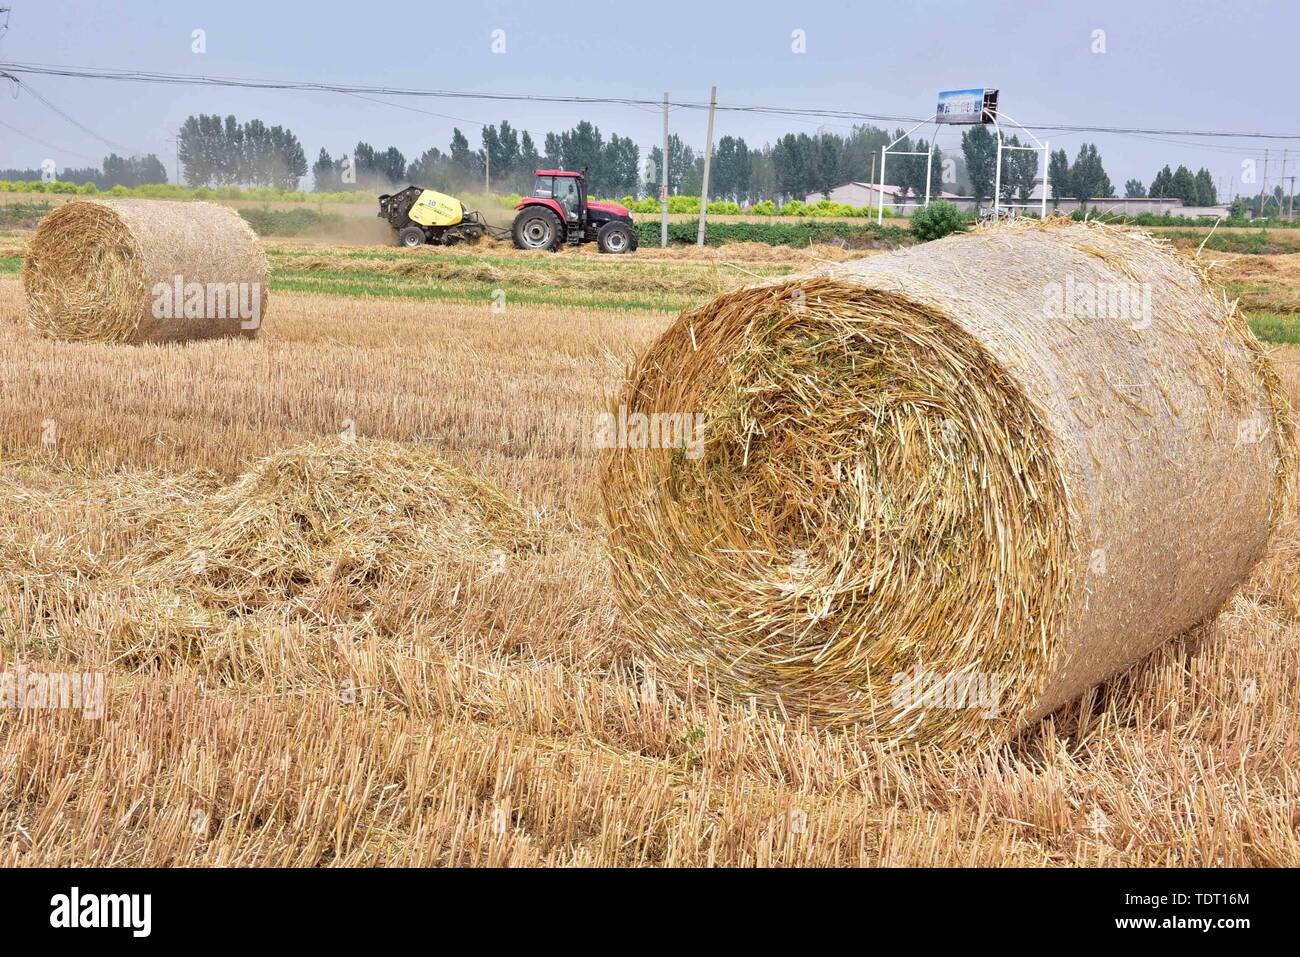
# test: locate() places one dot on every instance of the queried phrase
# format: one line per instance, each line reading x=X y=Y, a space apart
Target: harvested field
x=666 y=280
x=500 y=713
x=1262 y=283
x=1233 y=240
x=1233 y=268
x=535 y=273
x=660 y=279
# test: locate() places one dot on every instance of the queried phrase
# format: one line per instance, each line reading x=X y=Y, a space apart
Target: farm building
x=1129 y=206
x=868 y=194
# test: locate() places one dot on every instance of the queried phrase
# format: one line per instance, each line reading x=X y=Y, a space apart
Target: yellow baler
x=426 y=216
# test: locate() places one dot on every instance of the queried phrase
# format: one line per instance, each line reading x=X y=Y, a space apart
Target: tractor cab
x=568 y=190
x=559 y=211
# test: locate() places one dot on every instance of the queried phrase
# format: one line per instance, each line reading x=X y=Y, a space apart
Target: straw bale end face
x=137 y=271
x=909 y=467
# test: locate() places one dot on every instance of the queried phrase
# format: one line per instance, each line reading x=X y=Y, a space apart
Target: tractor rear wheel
x=536 y=229
x=411 y=236
x=615 y=237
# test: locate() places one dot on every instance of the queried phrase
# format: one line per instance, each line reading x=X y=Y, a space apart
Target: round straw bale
x=941 y=492
x=141 y=270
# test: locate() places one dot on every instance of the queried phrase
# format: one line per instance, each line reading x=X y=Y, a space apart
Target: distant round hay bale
x=140 y=270
x=932 y=492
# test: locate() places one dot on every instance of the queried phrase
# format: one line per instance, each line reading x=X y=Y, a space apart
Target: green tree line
x=1085 y=179
x=793 y=167
x=1193 y=190
x=129 y=171
x=223 y=151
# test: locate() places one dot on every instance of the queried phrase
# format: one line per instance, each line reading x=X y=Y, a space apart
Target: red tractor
x=559 y=211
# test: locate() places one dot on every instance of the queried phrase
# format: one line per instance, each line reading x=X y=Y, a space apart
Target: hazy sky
x=1185 y=64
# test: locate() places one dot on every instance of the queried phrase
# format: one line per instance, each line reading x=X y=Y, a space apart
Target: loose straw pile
x=329 y=524
x=97 y=271
x=932 y=502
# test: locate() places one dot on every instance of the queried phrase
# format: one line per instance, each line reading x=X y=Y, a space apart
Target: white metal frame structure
x=929 y=164
x=998 y=205
x=1042 y=147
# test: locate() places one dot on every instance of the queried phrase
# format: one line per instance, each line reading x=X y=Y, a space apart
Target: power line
x=415 y=109
x=142 y=76
x=804 y=115
x=24 y=85
x=47 y=145
x=1234 y=150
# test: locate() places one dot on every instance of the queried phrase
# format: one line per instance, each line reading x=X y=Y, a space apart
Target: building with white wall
x=868 y=194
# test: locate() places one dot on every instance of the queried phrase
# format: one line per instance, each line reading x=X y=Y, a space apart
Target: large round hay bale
x=142 y=270
x=934 y=492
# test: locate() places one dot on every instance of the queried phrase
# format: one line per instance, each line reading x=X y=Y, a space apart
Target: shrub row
x=774 y=234
x=172 y=191
x=691 y=205
x=287 y=222
x=680 y=205
x=1150 y=219
x=22 y=214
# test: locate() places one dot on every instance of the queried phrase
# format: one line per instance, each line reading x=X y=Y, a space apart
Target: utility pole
x=487 y=168
x=4 y=28
x=1263 y=183
x=177 y=169
x=663 y=181
x=1281 y=181
x=708 y=155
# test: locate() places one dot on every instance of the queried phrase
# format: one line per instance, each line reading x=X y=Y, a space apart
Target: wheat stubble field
x=489 y=709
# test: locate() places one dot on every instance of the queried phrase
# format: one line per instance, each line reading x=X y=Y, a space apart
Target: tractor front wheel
x=616 y=237
x=536 y=229
x=411 y=236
